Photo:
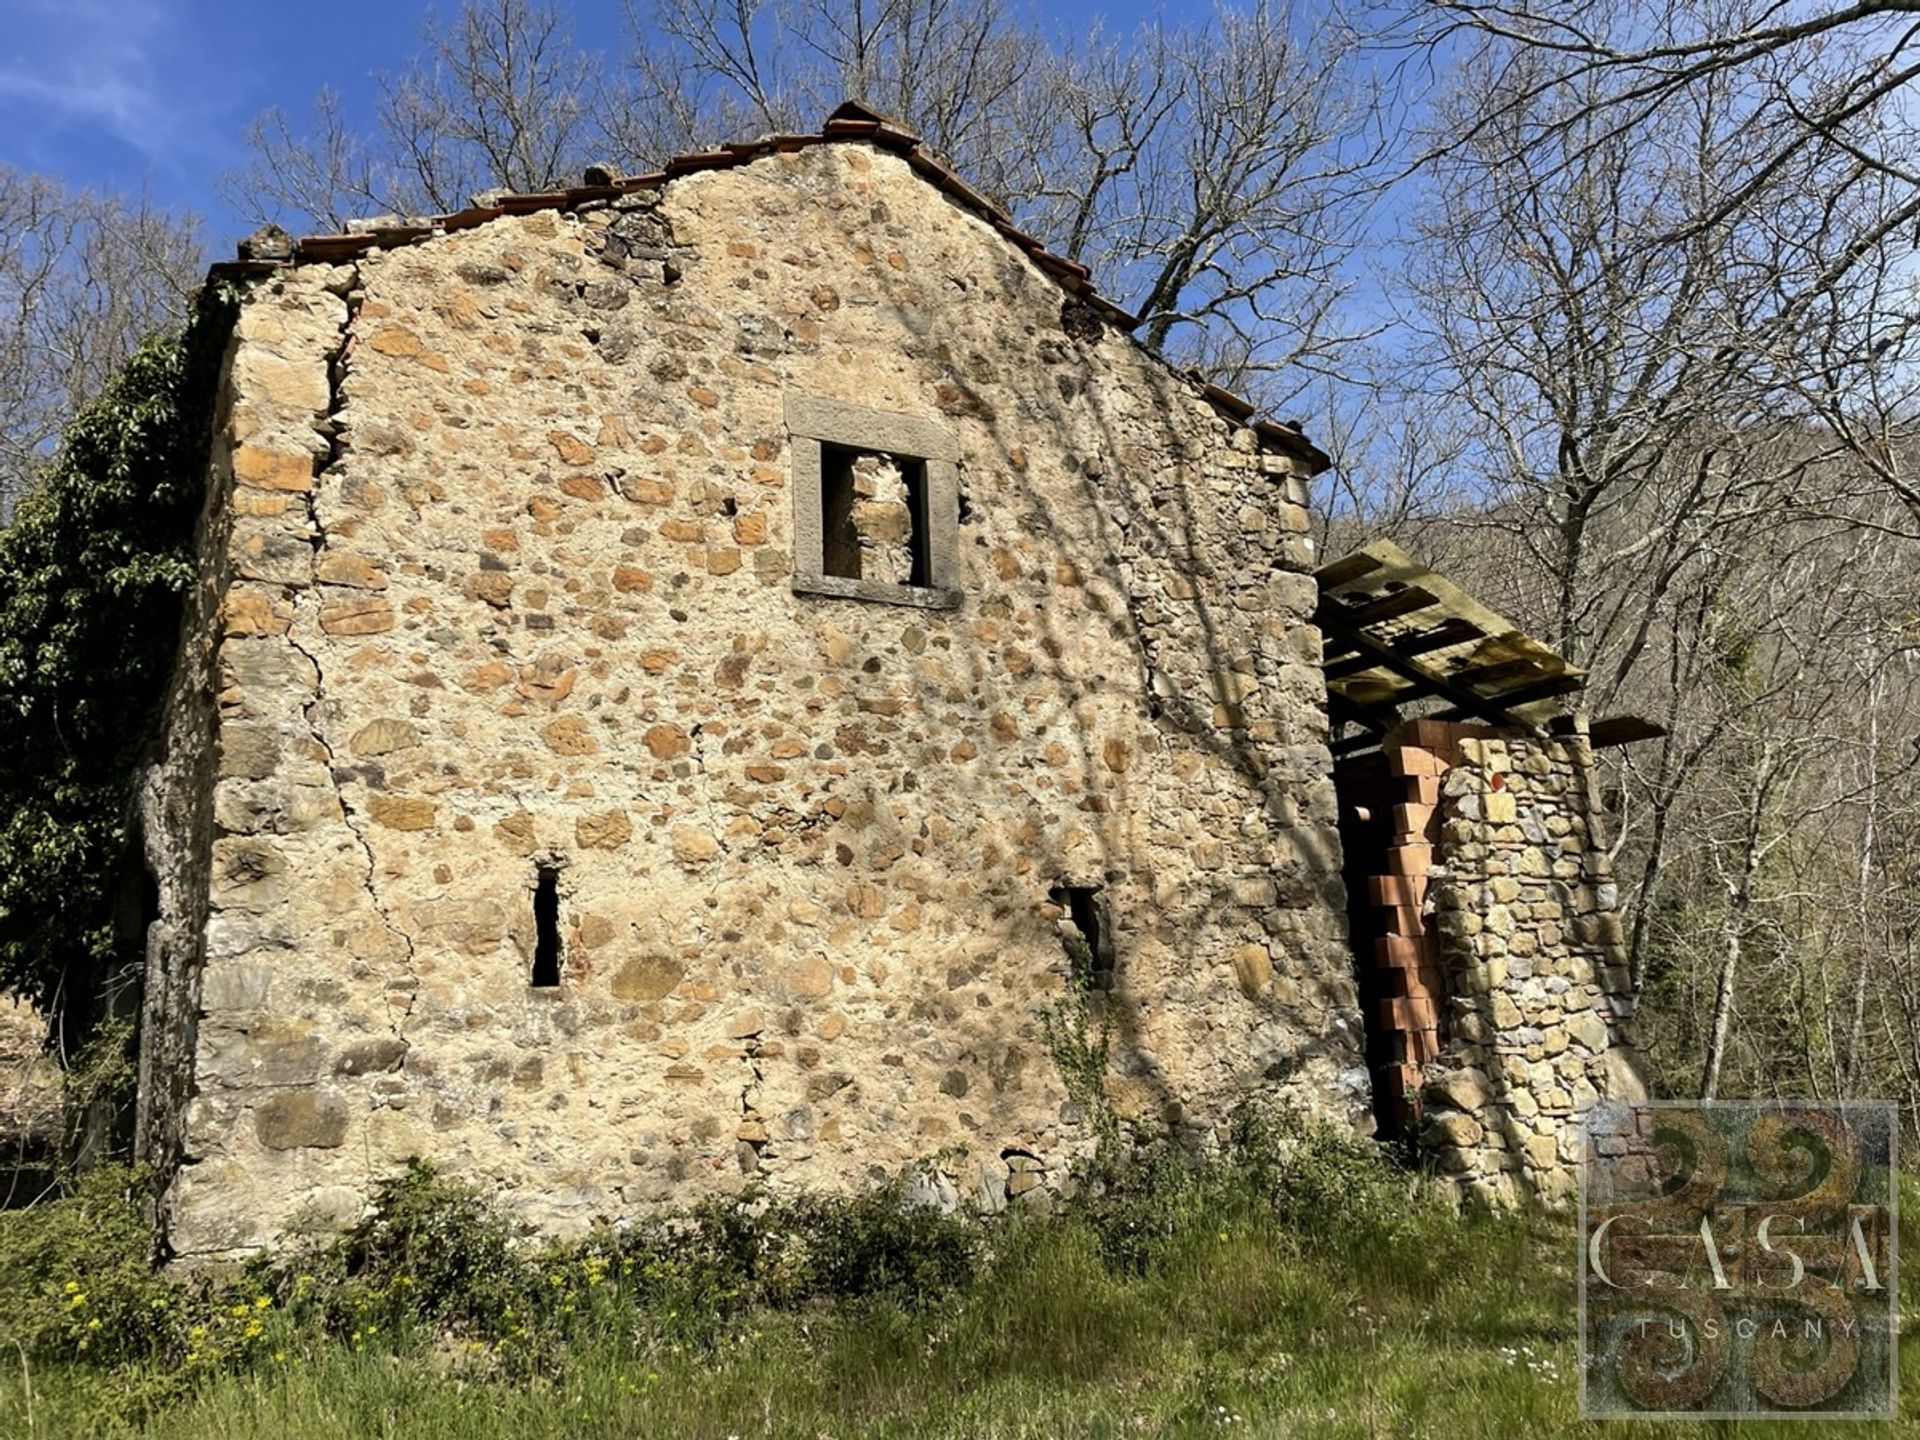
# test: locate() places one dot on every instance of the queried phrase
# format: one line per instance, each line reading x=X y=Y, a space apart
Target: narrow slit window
x=1089 y=946
x=874 y=521
x=546 y=921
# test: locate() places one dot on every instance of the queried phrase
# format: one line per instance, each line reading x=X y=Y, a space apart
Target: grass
x=1203 y=1313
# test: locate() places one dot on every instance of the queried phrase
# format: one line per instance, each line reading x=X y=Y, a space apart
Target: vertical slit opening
x=1089 y=945
x=546 y=922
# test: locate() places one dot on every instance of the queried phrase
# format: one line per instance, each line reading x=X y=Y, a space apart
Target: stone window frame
x=813 y=423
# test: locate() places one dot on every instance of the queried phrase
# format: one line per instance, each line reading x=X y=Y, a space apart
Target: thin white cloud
x=102 y=63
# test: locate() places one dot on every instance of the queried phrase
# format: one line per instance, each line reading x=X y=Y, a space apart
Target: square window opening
x=874 y=521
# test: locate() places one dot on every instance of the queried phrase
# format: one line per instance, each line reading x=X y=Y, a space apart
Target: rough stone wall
x=511 y=551
x=882 y=520
x=173 y=803
x=1525 y=909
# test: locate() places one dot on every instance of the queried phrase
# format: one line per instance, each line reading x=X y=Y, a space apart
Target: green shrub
x=92 y=571
x=436 y=1267
x=430 y=1252
x=80 y=1273
x=695 y=1271
x=874 y=1243
x=1317 y=1187
x=84 y=1295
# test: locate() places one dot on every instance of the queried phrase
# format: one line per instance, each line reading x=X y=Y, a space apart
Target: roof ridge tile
x=850 y=121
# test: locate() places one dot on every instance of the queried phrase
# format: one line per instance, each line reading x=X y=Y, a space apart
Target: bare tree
x=1629 y=347
x=1809 y=72
x=1215 y=176
x=500 y=97
x=325 y=177
x=699 y=71
x=1662 y=372
x=1780 y=831
x=83 y=278
x=1220 y=181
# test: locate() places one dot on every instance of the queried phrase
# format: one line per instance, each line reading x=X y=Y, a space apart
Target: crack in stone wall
x=356 y=823
x=539 y=603
x=332 y=424
x=278 y=1060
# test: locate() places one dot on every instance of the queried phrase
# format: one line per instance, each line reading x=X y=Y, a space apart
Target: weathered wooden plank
x=1539 y=690
x=1336 y=614
x=1348 y=665
x=1503 y=703
x=1500 y=673
x=1348 y=567
x=1448 y=633
x=1348 y=744
x=1429 y=683
x=1623 y=730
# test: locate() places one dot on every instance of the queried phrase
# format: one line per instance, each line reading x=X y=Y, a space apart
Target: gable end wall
x=512 y=539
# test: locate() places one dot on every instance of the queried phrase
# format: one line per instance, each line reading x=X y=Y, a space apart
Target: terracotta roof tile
x=1224 y=399
x=707 y=160
x=852 y=121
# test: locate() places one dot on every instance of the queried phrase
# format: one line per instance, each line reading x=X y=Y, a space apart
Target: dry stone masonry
x=1499 y=974
x=697 y=680
x=512 y=644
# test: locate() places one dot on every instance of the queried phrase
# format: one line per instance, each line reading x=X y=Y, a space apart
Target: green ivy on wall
x=93 y=574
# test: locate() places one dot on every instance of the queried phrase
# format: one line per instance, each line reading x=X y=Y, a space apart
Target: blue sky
x=156 y=94
x=126 y=94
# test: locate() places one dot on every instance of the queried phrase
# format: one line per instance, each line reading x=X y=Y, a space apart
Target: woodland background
x=1609 y=311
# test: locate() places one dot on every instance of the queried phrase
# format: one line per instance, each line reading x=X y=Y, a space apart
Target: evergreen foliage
x=93 y=574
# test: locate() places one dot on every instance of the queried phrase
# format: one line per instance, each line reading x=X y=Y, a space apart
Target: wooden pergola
x=1397 y=633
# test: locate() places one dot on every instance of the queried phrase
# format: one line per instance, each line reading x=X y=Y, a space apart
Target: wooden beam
x=1339 y=572
x=1347 y=665
x=1337 y=614
x=1540 y=690
x=1500 y=673
x=1347 y=744
x=1450 y=632
x=1623 y=730
x=1509 y=700
x=1428 y=682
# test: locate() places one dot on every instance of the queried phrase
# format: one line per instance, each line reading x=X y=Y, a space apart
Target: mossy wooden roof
x=1397 y=633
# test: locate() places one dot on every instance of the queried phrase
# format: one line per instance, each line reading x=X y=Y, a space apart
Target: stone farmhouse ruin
x=713 y=678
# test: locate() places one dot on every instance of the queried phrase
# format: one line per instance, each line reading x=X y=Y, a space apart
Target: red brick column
x=1410 y=982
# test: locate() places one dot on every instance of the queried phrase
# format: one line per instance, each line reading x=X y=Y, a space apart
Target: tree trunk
x=1857 y=1031
x=1739 y=907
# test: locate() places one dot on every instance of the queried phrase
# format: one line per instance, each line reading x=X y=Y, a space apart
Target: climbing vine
x=1078 y=1041
x=93 y=571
